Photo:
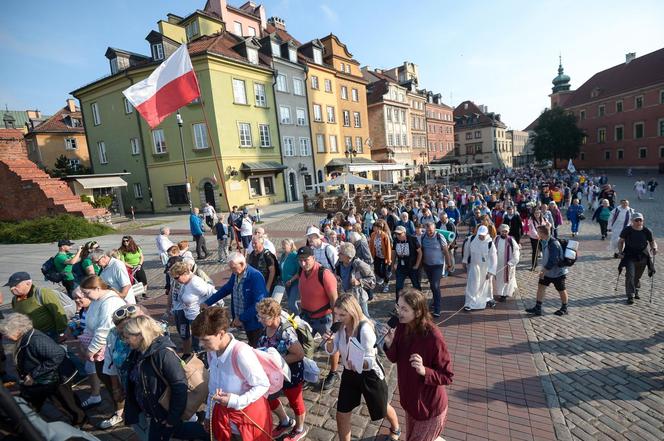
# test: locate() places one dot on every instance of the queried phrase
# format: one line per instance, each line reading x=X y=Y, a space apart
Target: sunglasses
x=638 y=220
x=178 y=277
x=124 y=312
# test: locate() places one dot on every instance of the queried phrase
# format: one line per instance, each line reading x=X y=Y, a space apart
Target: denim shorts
x=319 y=325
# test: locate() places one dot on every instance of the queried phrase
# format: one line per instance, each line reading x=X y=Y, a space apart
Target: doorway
x=293 y=186
x=208 y=189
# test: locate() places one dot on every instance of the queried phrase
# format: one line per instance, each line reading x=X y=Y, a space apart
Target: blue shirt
x=432 y=252
x=195 y=225
x=551 y=256
x=346 y=272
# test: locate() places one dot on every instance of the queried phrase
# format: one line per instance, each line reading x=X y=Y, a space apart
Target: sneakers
x=436 y=314
x=630 y=300
x=386 y=288
x=636 y=295
x=278 y=431
x=534 y=310
x=294 y=435
x=467 y=309
x=491 y=304
x=112 y=421
x=561 y=312
x=91 y=401
x=615 y=255
x=330 y=380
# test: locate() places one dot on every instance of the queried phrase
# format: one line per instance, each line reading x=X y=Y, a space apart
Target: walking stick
x=652 y=278
x=619 y=273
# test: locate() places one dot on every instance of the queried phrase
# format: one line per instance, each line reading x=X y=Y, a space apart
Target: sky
x=500 y=54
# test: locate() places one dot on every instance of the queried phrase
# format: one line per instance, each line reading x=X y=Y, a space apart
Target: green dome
x=561 y=82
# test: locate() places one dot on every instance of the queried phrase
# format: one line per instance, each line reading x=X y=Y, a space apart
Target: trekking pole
x=619 y=273
x=652 y=278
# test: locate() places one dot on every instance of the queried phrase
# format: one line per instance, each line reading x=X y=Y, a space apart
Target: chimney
x=33 y=114
x=71 y=105
x=630 y=57
x=277 y=22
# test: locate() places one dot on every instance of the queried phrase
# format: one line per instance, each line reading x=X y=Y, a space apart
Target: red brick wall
x=12 y=145
x=437 y=132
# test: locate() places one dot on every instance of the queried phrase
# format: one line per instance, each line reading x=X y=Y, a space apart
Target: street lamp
x=350 y=153
x=423 y=156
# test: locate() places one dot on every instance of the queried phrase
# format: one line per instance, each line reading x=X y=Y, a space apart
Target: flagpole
x=178 y=117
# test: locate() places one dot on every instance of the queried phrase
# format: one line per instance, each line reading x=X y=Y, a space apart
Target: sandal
x=394 y=434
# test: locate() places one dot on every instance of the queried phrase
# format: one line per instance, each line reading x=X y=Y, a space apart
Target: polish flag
x=172 y=85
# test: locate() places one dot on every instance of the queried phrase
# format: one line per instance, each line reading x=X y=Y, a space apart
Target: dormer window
x=292 y=55
x=276 y=52
x=192 y=30
x=318 y=56
x=252 y=55
x=158 y=51
x=114 y=66
x=74 y=122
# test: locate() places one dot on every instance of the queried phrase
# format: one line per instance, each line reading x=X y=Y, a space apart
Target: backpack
x=65 y=301
x=563 y=260
x=304 y=334
x=50 y=273
x=273 y=364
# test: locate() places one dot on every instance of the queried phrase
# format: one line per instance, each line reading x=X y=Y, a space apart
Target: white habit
x=509 y=253
x=619 y=219
x=481 y=259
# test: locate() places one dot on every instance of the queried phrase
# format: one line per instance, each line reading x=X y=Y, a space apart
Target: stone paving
x=592 y=375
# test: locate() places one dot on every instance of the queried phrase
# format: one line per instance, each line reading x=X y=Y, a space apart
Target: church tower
x=561 y=87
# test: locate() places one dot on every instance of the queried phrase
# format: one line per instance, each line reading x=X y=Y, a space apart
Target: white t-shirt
x=268 y=246
x=247 y=228
x=192 y=294
x=116 y=276
x=163 y=244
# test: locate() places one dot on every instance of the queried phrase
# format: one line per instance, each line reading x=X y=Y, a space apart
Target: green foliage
x=557 y=135
x=86 y=198
x=51 y=229
x=102 y=202
x=62 y=168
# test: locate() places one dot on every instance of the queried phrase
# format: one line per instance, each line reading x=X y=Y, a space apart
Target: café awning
x=101 y=182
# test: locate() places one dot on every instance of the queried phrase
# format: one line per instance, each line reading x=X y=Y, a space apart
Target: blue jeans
x=293 y=295
x=575 y=226
x=184 y=430
x=407 y=271
x=434 y=274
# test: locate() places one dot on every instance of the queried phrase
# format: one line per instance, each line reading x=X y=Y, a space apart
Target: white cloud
x=329 y=13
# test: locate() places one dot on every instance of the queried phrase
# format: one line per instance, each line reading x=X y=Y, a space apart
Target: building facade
x=522 y=152
x=480 y=137
x=440 y=127
x=59 y=135
x=621 y=111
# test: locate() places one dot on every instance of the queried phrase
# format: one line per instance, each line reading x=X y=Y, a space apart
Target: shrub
x=102 y=202
x=51 y=229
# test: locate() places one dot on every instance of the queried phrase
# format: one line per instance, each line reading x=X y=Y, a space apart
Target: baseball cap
x=63 y=242
x=17 y=278
x=637 y=216
x=304 y=252
x=482 y=230
x=400 y=229
x=313 y=230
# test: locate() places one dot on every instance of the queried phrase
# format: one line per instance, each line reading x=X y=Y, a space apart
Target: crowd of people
x=255 y=333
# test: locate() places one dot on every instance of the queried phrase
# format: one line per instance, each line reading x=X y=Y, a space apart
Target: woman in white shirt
x=236 y=403
x=367 y=380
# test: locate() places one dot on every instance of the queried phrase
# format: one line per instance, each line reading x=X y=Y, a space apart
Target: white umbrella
x=351 y=179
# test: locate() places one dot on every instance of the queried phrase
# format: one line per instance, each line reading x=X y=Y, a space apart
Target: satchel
x=582 y=217
x=197 y=385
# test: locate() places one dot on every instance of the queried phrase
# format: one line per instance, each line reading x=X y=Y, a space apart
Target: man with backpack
x=326 y=255
x=42 y=305
x=63 y=262
x=265 y=262
x=552 y=271
x=435 y=255
x=635 y=242
x=318 y=289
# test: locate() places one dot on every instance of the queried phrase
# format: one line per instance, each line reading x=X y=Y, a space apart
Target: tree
x=557 y=136
x=63 y=168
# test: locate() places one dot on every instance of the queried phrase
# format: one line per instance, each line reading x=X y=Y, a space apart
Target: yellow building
x=61 y=134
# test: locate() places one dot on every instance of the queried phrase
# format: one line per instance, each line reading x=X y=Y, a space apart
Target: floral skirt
x=427 y=430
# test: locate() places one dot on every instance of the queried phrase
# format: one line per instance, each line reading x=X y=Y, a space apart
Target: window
x=359 y=147
x=320 y=143
x=638 y=102
x=252 y=55
x=158 y=51
x=601 y=135
x=289 y=147
x=328 y=86
x=619 y=106
x=96 y=116
x=135 y=146
x=276 y=52
x=354 y=95
x=404 y=138
x=661 y=127
x=102 y=152
x=237 y=28
x=346 y=114
x=285 y=115
x=305 y=147
x=239 y=92
x=357 y=120
x=177 y=194
x=639 y=130
x=388 y=113
x=334 y=148
x=74 y=163
x=342 y=65
x=298 y=86
x=390 y=140
x=348 y=68
x=200 y=136
x=314 y=82
x=244 y=131
x=259 y=93
x=192 y=30
x=344 y=93
x=330 y=115
x=264 y=132
x=620 y=154
x=159 y=141
x=251 y=31
x=348 y=143
x=128 y=107
x=582 y=115
x=301 y=116
x=607 y=155
x=308 y=182
x=478 y=134
x=584 y=139
x=114 y=66
x=282 y=85
x=397 y=140
x=643 y=152
x=469 y=135
x=661 y=151
x=318 y=113
x=619 y=133
x=138 y=191
x=70 y=143
x=403 y=116
x=261 y=186
x=318 y=56
x=478 y=148
x=600 y=110
x=292 y=55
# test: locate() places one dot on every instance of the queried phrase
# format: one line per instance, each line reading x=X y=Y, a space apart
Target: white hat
x=504 y=227
x=482 y=230
x=451 y=204
x=313 y=230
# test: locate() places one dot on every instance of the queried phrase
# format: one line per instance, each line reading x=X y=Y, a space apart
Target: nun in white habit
x=509 y=253
x=480 y=259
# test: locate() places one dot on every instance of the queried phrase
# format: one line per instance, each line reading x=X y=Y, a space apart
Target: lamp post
x=350 y=153
x=423 y=156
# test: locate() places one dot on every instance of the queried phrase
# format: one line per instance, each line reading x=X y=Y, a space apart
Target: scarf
x=508 y=254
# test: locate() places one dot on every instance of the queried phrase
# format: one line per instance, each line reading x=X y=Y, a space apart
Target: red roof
x=61 y=122
x=282 y=34
x=640 y=72
x=469 y=111
x=221 y=43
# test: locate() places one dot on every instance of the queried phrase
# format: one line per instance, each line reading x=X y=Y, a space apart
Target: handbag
x=197 y=385
x=582 y=217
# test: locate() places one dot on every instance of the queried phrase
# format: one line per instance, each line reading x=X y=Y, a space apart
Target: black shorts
x=354 y=386
x=182 y=324
x=246 y=241
x=558 y=282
